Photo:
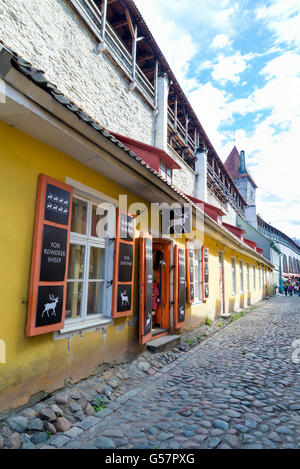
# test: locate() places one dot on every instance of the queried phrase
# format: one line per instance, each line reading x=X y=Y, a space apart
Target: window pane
x=76 y=262
x=79 y=216
x=74 y=300
x=97 y=263
x=95 y=298
x=96 y=217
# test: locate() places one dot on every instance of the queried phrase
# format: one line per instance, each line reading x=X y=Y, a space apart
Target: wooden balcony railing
x=91 y=16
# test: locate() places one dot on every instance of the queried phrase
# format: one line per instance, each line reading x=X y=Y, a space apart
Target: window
x=198 y=274
x=87 y=293
x=241 y=277
x=259 y=277
x=254 y=278
x=233 y=276
x=248 y=277
x=165 y=172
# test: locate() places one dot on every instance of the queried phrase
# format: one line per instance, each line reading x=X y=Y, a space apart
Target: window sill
x=197 y=303
x=81 y=326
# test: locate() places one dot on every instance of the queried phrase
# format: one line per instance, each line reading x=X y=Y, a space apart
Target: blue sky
x=239 y=64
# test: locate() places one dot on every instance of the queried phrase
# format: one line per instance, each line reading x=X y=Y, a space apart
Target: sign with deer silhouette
x=48 y=278
x=124 y=298
x=205 y=272
x=57 y=207
x=49 y=305
x=122 y=303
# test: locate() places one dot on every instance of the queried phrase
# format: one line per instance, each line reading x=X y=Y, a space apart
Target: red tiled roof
x=233 y=165
x=234 y=229
x=250 y=243
x=210 y=210
x=151 y=155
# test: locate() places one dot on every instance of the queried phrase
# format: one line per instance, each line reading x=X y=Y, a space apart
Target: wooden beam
x=131 y=28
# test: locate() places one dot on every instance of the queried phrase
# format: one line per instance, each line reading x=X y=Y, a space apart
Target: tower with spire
x=236 y=166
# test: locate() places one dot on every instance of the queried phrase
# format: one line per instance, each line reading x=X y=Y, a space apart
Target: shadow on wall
x=218 y=308
x=242 y=301
x=231 y=305
x=249 y=299
x=2 y=351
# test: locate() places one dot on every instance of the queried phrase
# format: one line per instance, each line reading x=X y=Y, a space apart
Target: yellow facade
x=42 y=364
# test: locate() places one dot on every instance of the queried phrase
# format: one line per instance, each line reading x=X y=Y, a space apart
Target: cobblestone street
x=239 y=389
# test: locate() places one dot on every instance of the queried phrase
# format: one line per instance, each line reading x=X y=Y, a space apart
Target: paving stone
x=103 y=413
x=62 y=399
x=35 y=424
x=104 y=443
x=74 y=432
x=59 y=441
x=14 y=441
x=220 y=424
x=88 y=422
x=284 y=430
x=62 y=425
x=50 y=428
x=39 y=438
x=28 y=445
x=17 y=424
x=48 y=414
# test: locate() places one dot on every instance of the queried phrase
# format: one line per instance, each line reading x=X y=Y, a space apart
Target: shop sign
x=48 y=281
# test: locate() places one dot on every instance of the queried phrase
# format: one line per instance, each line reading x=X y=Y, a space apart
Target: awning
x=151 y=155
x=211 y=210
x=250 y=243
x=235 y=230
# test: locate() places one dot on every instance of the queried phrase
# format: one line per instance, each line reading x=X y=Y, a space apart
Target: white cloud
x=221 y=41
x=283 y=19
x=229 y=68
x=185 y=33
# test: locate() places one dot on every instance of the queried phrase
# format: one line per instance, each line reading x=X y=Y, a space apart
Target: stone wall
x=48 y=34
x=230 y=216
x=184 y=178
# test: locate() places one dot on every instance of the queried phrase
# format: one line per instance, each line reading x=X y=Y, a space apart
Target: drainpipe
x=201 y=173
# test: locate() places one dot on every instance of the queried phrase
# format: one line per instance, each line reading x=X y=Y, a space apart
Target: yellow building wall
x=211 y=308
x=42 y=363
x=32 y=366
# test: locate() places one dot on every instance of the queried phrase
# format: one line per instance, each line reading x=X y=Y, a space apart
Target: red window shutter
x=124 y=262
x=190 y=273
x=205 y=272
x=179 y=287
x=50 y=254
x=146 y=288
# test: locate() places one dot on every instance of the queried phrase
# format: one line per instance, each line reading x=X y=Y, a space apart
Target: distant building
x=281 y=250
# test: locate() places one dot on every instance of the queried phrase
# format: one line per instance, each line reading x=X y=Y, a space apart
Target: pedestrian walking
x=286 y=287
x=291 y=289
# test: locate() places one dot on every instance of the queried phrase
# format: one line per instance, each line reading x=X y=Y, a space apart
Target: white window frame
x=241 y=270
x=166 y=172
x=247 y=277
x=233 y=276
x=254 y=277
x=199 y=262
x=89 y=241
x=259 y=277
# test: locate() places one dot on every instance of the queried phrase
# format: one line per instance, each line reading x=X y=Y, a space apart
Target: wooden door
x=146 y=288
